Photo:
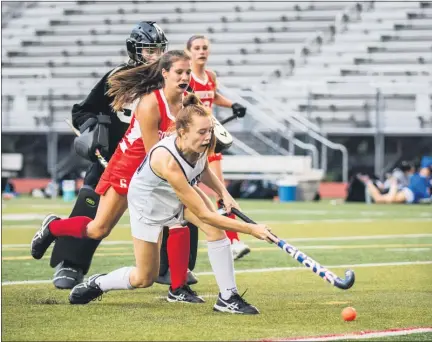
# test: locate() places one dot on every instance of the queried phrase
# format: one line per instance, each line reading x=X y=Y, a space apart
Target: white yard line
x=270 y=222
x=360 y=335
x=336 y=238
x=409 y=249
x=260 y=270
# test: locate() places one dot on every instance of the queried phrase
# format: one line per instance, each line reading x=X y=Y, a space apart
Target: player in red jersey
x=204 y=85
x=156 y=91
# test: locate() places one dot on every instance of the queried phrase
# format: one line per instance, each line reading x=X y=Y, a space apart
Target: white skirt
x=147 y=230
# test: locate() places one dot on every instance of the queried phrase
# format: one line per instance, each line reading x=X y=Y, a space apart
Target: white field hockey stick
x=296 y=254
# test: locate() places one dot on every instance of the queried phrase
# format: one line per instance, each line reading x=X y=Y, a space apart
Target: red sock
x=232 y=235
x=178 y=247
x=74 y=226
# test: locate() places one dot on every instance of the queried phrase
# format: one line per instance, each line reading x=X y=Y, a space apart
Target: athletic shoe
x=239 y=249
x=166 y=278
x=191 y=278
x=43 y=237
x=86 y=292
x=67 y=276
x=235 y=304
x=184 y=294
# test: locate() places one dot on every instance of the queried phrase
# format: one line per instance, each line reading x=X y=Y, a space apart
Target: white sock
x=116 y=280
x=222 y=263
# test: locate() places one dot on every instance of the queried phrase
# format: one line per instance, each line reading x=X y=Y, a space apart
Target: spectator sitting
x=418 y=189
x=401 y=174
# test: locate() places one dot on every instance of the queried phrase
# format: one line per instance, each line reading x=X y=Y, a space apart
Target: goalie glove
x=238 y=110
x=94 y=135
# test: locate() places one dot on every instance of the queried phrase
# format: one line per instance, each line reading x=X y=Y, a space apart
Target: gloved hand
x=238 y=110
x=94 y=135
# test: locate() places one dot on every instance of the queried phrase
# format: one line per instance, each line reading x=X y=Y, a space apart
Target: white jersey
x=151 y=197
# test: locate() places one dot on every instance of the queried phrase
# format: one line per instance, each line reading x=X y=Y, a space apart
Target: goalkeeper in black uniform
x=100 y=128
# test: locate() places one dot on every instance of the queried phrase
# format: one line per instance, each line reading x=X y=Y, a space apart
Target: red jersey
x=130 y=152
x=204 y=89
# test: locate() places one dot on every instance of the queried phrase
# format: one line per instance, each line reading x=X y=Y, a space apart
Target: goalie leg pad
x=193 y=245
x=163 y=268
x=78 y=251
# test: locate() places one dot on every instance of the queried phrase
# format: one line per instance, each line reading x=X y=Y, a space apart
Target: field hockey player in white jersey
x=163 y=192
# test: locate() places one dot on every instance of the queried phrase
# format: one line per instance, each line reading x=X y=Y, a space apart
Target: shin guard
x=78 y=252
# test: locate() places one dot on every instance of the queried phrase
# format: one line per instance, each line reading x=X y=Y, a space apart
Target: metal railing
x=278 y=111
x=269 y=122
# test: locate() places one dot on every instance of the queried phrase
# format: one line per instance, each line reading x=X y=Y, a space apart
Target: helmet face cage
x=147 y=38
x=150 y=48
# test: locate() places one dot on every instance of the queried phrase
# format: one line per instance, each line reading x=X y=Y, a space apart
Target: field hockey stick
x=228 y=119
x=99 y=156
x=295 y=253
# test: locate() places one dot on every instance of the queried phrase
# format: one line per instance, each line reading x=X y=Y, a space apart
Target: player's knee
x=97 y=233
x=98 y=230
x=214 y=234
x=143 y=279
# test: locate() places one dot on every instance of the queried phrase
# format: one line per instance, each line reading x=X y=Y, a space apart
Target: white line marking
x=296 y=211
x=291 y=222
x=414 y=249
x=362 y=335
x=260 y=270
x=336 y=238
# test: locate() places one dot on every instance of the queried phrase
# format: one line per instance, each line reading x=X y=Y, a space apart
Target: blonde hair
x=193 y=106
x=128 y=85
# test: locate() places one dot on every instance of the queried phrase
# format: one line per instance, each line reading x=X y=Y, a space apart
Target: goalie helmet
x=145 y=35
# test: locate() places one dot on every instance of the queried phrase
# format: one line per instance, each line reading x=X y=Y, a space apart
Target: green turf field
x=388 y=247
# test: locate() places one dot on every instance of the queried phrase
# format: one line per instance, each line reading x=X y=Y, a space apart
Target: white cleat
x=239 y=249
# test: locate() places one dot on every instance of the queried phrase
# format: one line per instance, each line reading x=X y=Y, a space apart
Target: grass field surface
x=388 y=247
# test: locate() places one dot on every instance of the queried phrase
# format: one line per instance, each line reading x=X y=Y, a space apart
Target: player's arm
x=91 y=118
x=165 y=166
x=212 y=180
x=209 y=178
x=148 y=116
x=220 y=100
x=95 y=103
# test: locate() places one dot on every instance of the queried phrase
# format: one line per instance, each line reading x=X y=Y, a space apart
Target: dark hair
x=193 y=106
x=191 y=39
x=128 y=85
x=405 y=166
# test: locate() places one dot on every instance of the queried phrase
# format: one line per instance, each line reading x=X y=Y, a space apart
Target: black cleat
x=166 y=278
x=43 y=237
x=67 y=276
x=86 y=292
x=184 y=294
x=235 y=304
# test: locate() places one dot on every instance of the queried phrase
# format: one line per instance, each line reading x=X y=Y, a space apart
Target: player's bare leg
x=125 y=278
x=111 y=208
x=143 y=275
x=393 y=196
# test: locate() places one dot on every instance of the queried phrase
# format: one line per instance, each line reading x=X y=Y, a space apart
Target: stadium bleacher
x=73 y=44
x=388 y=50
x=70 y=45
